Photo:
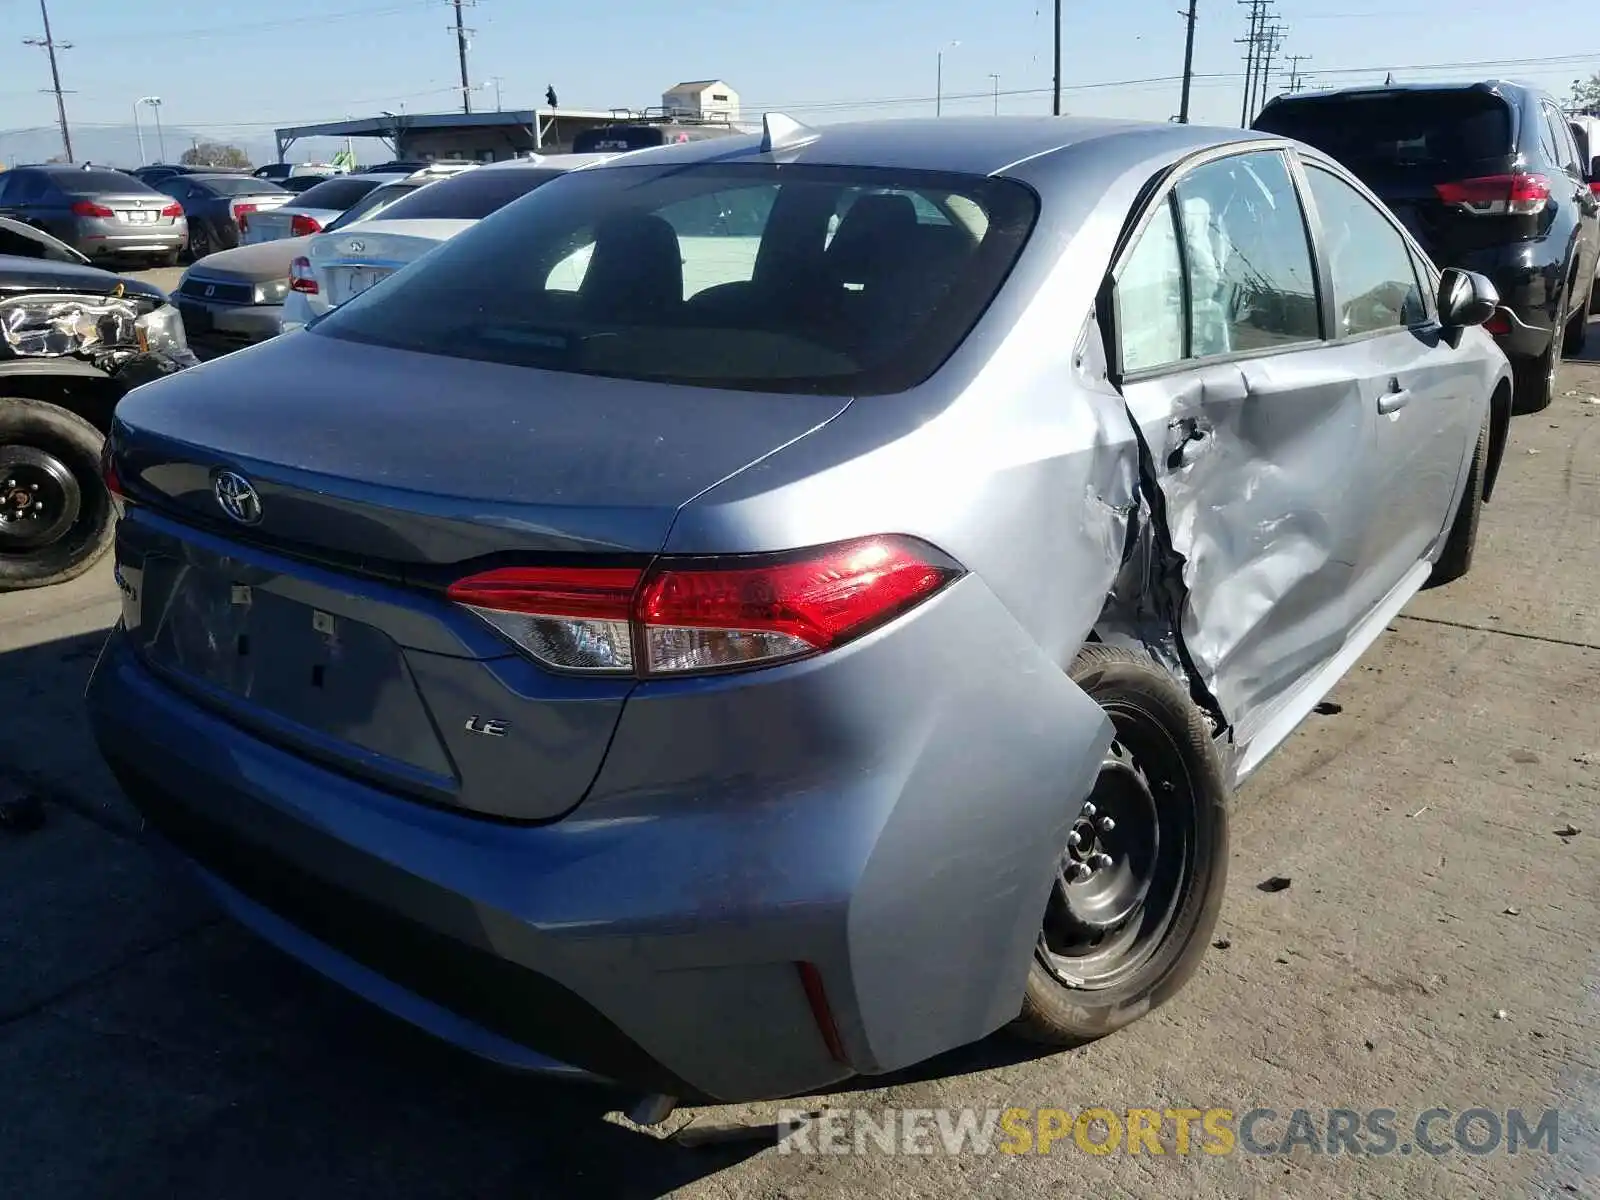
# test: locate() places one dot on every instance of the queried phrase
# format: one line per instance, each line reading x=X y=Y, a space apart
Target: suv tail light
x=301 y=278
x=690 y=615
x=109 y=476
x=301 y=225
x=1519 y=195
x=241 y=215
x=88 y=208
x=172 y=210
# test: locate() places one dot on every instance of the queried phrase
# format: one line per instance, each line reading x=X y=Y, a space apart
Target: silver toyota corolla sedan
x=772 y=610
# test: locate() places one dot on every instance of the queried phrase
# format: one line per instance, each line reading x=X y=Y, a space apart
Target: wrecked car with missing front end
x=73 y=340
x=829 y=619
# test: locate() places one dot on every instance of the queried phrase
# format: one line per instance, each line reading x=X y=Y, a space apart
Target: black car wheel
x=56 y=517
x=1577 y=329
x=1455 y=560
x=199 y=242
x=1139 y=884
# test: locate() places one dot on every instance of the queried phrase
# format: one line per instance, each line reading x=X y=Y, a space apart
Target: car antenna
x=779 y=132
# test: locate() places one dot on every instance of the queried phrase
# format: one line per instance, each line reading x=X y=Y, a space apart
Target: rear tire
x=170 y=260
x=56 y=517
x=1534 y=380
x=1456 y=558
x=1090 y=976
x=199 y=242
x=1577 y=328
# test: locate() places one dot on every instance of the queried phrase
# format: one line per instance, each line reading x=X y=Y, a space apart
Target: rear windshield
x=471 y=195
x=90 y=183
x=762 y=277
x=1421 y=130
x=338 y=194
x=377 y=200
x=242 y=185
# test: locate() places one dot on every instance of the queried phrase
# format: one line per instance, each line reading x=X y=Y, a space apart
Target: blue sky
x=237 y=69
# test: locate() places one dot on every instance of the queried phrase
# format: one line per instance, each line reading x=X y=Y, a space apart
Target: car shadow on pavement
x=1589 y=352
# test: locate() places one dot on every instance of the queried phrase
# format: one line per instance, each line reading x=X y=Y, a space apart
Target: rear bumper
x=157 y=241
x=902 y=842
x=1529 y=277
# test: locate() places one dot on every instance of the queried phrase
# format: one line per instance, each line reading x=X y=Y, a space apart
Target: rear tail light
x=109 y=476
x=301 y=278
x=88 y=208
x=1498 y=195
x=1594 y=187
x=241 y=215
x=690 y=615
x=172 y=210
x=301 y=225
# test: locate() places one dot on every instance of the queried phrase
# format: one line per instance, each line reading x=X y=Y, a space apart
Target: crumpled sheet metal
x=51 y=327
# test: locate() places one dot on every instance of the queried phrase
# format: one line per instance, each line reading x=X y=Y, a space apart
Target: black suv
x=1487 y=176
x=73 y=341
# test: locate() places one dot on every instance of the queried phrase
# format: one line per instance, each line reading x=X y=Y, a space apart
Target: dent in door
x=1258 y=467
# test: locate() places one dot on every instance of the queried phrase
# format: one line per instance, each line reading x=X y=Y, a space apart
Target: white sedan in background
x=338 y=265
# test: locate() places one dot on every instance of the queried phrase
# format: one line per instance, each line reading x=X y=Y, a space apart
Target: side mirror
x=1465 y=298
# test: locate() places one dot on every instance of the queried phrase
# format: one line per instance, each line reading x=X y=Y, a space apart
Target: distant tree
x=1586 y=94
x=57 y=158
x=214 y=154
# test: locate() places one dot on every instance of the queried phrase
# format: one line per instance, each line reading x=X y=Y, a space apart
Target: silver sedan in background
x=235 y=297
x=664 y=634
x=101 y=213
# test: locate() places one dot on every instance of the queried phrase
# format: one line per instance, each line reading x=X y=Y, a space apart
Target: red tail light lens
x=1497 y=195
x=172 y=210
x=109 y=476
x=88 y=208
x=301 y=225
x=690 y=615
x=241 y=215
x=301 y=278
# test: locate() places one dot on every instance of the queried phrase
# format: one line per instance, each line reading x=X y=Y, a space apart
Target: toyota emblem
x=237 y=497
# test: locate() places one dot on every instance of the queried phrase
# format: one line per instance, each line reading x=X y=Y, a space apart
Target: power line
x=50 y=46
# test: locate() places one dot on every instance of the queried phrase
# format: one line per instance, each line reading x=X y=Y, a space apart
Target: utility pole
x=996 y=79
x=138 y=132
x=1295 y=82
x=461 y=52
x=1251 y=42
x=51 y=45
x=1272 y=44
x=1188 y=63
x=1056 y=106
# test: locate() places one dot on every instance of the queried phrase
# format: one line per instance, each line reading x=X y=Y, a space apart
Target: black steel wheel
x=56 y=517
x=1140 y=879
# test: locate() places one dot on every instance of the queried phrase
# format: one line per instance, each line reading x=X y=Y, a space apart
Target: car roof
x=1505 y=88
x=966 y=145
x=548 y=162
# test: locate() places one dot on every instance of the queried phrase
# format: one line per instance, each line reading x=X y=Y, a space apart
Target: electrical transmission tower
x=1254 y=55
x=1297 y=82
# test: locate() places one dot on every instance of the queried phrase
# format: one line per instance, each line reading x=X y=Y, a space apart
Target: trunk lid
x=348 y=263
x=381 y=475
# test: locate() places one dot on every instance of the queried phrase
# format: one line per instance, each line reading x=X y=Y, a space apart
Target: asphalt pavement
x=1435 y=948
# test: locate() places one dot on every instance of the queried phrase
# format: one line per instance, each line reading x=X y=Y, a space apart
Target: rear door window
x=1566 y=148
x=1151 y=319
x=1429 y=133
x=718 y=274
x=1248 y=254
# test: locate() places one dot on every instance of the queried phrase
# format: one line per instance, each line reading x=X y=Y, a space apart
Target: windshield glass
x=471 y=195
x=90 y=183
x=754 y=276
x=242 y=185
x=1428 y=131
x=335 y=193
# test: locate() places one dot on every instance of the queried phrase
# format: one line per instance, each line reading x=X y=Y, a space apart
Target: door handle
x=1394 y=398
